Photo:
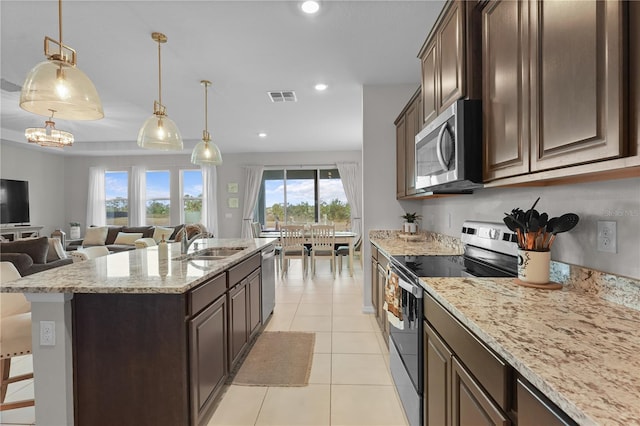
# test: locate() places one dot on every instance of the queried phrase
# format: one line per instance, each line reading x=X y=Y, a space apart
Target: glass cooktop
x=431 y=266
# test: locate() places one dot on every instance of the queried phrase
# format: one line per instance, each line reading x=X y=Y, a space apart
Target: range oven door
x=406 y=346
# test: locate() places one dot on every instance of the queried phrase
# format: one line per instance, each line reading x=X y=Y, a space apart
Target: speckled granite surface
x=581 y=351
x=430 y=243
x=136 y=271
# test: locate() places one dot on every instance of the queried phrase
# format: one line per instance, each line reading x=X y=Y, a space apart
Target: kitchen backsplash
x=613 y=288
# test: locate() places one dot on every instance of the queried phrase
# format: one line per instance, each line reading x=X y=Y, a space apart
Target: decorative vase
x=533 y=266
x=74 y=232
x=409 y=227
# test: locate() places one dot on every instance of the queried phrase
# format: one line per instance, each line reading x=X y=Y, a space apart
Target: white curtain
x=210 y=199
x=96 y=209
x=253 y=178
x=351 y=183
x=137 y=196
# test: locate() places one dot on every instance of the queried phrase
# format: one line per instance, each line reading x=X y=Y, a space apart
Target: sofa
x=33 y=255
x=123 y=238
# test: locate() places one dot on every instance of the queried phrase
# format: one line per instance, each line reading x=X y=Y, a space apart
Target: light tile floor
x=350 y=383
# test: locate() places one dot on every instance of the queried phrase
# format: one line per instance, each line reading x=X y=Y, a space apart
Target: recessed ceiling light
x=310 y=7
x=262 y=135
x=320 y=87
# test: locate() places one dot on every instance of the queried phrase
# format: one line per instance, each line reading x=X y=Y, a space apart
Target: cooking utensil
x=564 y=223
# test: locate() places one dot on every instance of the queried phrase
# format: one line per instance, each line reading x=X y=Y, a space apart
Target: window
x=116 y=185
x=192 y=196
x=302 y=196
x=158 y=203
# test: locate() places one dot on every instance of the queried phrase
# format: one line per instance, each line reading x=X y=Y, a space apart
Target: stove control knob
x=493 y=233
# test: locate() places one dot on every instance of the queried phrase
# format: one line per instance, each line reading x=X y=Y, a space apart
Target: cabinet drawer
x=492 y=373
x=206 y=293
x=374 y=252
x=238 y=272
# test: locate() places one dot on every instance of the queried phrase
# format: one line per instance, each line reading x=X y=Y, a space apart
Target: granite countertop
x=580 y=346
x=582 y=352
x=137 y=271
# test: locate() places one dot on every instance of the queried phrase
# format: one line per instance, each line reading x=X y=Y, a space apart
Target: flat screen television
x=14 y=201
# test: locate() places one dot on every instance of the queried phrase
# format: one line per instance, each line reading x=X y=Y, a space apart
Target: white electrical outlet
x=607 y=236
x=47 y=333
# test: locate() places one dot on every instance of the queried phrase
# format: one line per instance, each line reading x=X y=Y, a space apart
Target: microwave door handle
x=439 y=147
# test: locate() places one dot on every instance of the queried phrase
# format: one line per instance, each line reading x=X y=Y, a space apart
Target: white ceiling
x=245 y=48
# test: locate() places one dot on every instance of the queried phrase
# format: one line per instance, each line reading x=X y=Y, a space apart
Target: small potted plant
x=410 y=225
x=74 y=230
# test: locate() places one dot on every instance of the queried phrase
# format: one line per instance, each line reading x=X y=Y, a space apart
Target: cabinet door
x=577 y=89
x=470 y=405
x=208 y=356
x=534 y=409
x=505 y=89
x=401 y=130
x=238 y=320
x=254 y=302
x=429 y=67
x=412 y=126
x=451 y=59
x=437 y=380
x=375 y=300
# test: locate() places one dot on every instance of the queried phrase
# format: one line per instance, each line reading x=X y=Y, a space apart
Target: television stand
x=15 y=232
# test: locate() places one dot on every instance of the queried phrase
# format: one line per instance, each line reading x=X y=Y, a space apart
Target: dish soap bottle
x=163 y=249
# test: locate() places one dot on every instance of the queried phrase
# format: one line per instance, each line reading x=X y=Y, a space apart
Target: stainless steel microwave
x=449 y=150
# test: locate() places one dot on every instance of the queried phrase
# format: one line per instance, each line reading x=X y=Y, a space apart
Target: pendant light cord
x=159 y=75
x=60 y=26
x=206 y=108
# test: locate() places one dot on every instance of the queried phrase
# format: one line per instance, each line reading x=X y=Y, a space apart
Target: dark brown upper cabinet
x=554 y=85
x=448 y=58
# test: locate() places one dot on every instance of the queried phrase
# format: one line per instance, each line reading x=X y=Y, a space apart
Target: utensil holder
x=533 y=266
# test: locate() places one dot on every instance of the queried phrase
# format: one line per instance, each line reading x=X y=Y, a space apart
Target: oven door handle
x=413 y=289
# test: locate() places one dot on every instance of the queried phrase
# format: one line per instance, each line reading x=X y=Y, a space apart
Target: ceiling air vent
x=8 y=86
x=283 y=96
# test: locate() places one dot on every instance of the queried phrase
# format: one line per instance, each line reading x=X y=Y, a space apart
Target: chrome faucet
x=186 y=242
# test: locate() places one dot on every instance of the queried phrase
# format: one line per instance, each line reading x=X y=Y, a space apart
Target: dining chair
x=342 y=251
x=323 y=239
x=292 y=241
x=15 y=335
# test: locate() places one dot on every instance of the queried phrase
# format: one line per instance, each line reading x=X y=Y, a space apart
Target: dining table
x=342 y=237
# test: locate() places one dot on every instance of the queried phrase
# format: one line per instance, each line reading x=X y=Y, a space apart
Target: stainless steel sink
x=211 y=253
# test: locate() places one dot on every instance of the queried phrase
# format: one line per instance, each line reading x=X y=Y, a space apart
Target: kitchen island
x=141 y=338
x=570 y=348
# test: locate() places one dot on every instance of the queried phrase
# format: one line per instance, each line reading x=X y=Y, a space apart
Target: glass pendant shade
x=57 y=85
x=206 y=153
x=161 y=133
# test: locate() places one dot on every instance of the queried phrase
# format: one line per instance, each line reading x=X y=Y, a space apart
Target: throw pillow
x=36 y=248
x=55 y=250
x=127 y=238
x=160 y=231
x=95 y=236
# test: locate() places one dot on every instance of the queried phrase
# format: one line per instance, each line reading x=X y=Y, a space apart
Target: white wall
x=45 y=173
x=381 y=210
x=617 y=200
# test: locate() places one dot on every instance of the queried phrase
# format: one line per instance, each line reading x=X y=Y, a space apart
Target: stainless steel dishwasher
x=268 y=282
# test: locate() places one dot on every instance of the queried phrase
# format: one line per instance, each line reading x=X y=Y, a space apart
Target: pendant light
x=57 y=84
x=206 y=153
x=159 y=131
x=49 y=135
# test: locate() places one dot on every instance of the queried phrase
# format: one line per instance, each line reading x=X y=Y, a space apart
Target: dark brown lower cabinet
x=254 y=285
x=470 y=404
x=208 y=341
x=535 y=409
x=437 y=379
x=238 y=321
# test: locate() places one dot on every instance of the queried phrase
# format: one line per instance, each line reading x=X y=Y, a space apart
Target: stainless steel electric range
x=490 y=250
